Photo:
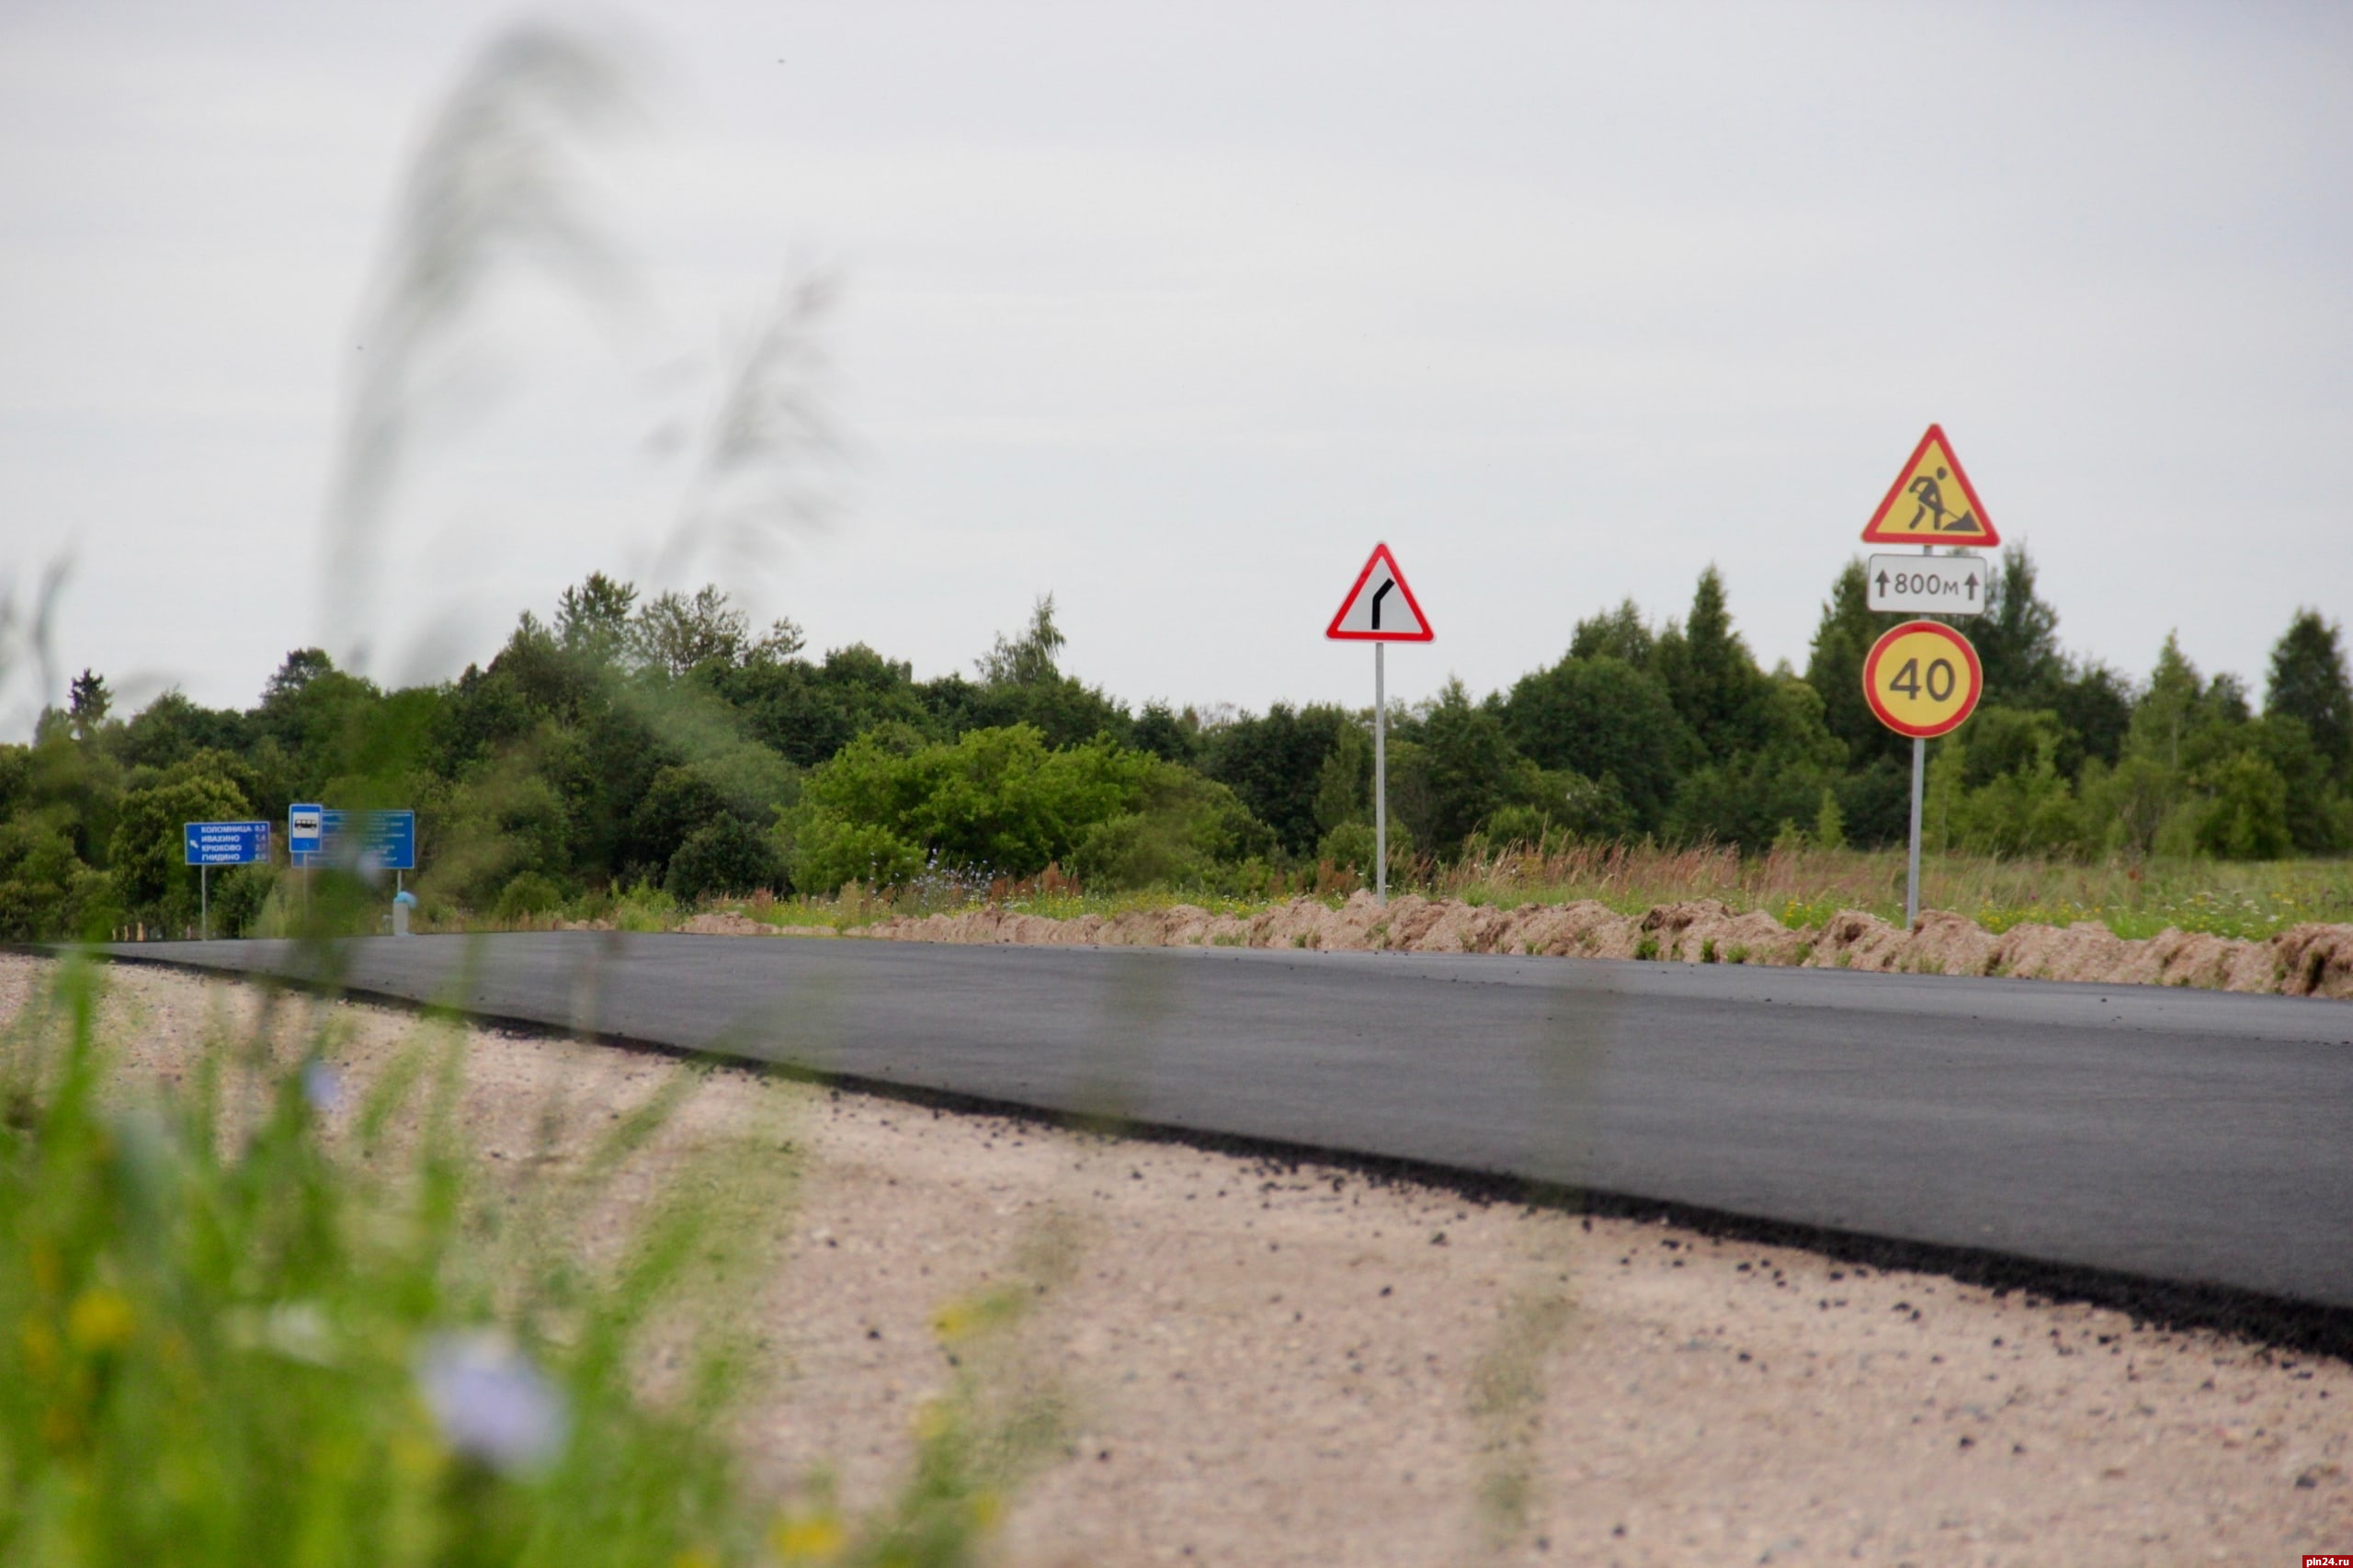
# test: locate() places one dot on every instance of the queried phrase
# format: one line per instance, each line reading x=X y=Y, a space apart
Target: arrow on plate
x=1883 y=582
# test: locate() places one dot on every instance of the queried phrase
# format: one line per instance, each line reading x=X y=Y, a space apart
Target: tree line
x=664 y=742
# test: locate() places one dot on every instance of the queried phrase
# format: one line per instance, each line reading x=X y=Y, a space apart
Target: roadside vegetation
x=264 y=1314
x=634 y=758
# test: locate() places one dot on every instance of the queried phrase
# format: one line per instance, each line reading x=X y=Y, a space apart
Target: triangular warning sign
x=1931 y=502
x=1381 y=607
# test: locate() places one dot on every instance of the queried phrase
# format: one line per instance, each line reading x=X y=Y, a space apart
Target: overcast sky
x=1174 y=311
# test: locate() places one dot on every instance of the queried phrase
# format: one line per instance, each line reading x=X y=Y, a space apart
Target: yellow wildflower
x=100 y=1319
x=812 y=1537
x=40 y=1346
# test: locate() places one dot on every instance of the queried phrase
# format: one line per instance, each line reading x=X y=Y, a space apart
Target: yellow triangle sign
x=1932 y=502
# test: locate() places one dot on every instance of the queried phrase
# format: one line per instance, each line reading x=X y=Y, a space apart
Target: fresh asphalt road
x=2167 y=1134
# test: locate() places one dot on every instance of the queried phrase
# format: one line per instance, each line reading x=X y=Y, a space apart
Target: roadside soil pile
x=1293 y=1365
x=2304 y=960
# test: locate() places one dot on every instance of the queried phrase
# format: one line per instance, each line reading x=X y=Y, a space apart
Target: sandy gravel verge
x=1275 y=1365
x=2304 y=960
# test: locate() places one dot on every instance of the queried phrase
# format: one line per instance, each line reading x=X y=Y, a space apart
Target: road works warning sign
x=1923 y=680
x=1381 y=607
x=1931 y=502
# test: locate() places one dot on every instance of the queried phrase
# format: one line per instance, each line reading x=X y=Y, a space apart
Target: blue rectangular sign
x=303 y=824
x=389 y=839
x=383 y=841
x=227 y=842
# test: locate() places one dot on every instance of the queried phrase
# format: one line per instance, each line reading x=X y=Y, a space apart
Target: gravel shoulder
x=1270 y=1364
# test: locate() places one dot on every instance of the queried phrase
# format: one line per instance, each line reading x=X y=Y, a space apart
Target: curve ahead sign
x=1923 y=680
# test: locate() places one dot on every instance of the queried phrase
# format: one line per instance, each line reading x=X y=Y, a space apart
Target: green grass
x=227 y=1337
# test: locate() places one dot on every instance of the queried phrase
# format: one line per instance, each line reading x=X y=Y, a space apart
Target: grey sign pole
x=1380 y=773
x=1912 y=872
x=1912 y=880
x=204 y=904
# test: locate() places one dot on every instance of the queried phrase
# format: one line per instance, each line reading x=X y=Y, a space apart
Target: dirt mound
x=2306 y=960
x=724 y=923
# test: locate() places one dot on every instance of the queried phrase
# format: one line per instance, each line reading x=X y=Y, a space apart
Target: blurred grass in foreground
x=231 y=1335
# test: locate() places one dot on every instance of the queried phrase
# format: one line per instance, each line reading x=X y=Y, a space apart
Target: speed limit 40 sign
x=1923 y=680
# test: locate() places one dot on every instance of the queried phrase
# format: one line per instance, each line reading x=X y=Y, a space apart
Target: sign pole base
x=1911 y=879
x=1380 y=773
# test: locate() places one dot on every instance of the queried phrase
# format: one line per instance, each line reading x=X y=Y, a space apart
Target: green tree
x=1601 y=717
x=2308 y=682
x=1275 y=766
x=1710 y=675
x=2018 y=637
x=1030 y=659
x=592 y=619
x=1834 y=668
x=674 y=633
x=1619 y=633
x=148 y=851
x=1169 y=736
x=2244 y=816
x=87 y=702
x=1470 y=768
x=2168 y=711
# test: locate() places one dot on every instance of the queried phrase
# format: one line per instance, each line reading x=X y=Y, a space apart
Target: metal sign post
x=1912 y=863
x=1370 y=614
x=1380 y=773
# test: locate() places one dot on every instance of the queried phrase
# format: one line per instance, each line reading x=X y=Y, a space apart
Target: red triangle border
x=1871 y=534
x=1380 y=554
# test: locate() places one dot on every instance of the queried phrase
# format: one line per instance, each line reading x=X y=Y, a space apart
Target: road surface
x=2151 y=1135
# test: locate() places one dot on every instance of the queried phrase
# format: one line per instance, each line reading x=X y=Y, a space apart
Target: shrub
x=527 y=895
x=724 y=855
x=998 y=801
x=1353 y=845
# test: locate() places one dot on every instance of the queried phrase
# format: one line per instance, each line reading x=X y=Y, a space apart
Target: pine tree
x=2018 y=637
x=2308 y=682
x=1715 y=681
x=89 y=702
x=2164 y=716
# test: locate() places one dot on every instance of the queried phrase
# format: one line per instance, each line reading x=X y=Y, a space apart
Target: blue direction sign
x=227 y=842
x=388 y=839
x=383 y=841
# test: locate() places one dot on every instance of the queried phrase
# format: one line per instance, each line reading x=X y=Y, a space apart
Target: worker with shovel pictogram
x=1932 y=510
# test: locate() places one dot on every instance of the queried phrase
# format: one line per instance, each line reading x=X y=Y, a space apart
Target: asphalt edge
x=2281 y=1322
